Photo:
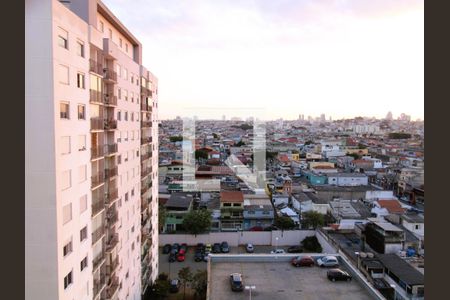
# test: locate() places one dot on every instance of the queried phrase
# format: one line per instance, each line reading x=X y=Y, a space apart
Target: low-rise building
x=348 y=179
x=177 y=206
x=384 y=237
x=231 y=210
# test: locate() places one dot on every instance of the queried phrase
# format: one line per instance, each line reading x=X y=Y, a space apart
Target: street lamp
x=250 y=288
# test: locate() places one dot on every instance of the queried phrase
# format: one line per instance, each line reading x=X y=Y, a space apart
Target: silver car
x=328 y=261
x=249 y=248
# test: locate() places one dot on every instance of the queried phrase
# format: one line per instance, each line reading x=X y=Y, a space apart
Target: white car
x=328 y=261
x=277 y=251
x=249 y=248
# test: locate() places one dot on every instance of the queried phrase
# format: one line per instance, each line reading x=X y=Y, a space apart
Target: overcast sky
x=281 y=58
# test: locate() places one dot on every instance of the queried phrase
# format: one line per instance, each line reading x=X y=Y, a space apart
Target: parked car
x=256 y=228
x=200 y=246
x=176 y=247
x=205 y=256
x=249 y=248
x=338 y=274
x=295 y=249
x=198 y=256
x=184 y=247
x=167 y=248
x=236 y=282
x=172 y=256
x=303 y=261
x=277 y=251
x=181 y=256
x=216 y=248
x=224 y=247
x=328 y=261
x=208 y=248
x=174 y=286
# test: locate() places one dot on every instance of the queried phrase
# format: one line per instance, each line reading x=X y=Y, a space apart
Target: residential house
x=178 y=205
x=384 y=237
x=231 y=210
x=347 y=179
x=258 y=213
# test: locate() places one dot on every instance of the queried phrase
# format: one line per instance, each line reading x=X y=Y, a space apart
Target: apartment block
x=91 y=155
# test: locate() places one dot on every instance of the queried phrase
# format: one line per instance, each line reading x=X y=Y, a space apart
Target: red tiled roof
x=392 y=206
x=231 y=196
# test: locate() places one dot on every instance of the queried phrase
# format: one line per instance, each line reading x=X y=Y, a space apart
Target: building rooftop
x=400 y=268
x=179 y=200
x=347 y=175
x=231 y=196
x=393 y=206
x=386 y=226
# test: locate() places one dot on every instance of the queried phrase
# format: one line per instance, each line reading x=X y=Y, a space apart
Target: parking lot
x=280 y=280
x=173 y=268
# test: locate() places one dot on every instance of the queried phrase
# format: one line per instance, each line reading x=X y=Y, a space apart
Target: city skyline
x=276 y=56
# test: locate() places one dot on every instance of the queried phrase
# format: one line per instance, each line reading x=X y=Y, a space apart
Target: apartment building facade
x=91 y=155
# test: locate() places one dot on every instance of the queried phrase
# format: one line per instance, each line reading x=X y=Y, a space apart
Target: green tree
x=355 y=155
x=312 y=219
x=176 y=138
x=361 y=146
x=215 y=135
x=399 y=135
x=162 y=213
x=185 y=276
x=308 y=142
x=201 y=154
x=284 y=223
x=271 y=155
x=197 y=221
x=311 y=244
x=240 y=143
x=161 y=287
x=200 y=283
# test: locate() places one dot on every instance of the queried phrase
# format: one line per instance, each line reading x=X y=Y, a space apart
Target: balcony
x=146 y=140
x=112 y=243
x=145 y=106
x=145 y=172
x=97 y=207
x=146 y=156
x=110 y=124
x=109 y=173
x=97 y=180
x=112 y=267
x=97 y=124
x=145 y=92
x=112 y=217
x=111 y=195
x=109 y=75
x=112 y=288
x=146 y=124
x=111 y=149
x=99 y=285
x=145 y=188
x=95 y=67
x=95 y=97
x=110 y=99
x=97 y=152
x=98 y=234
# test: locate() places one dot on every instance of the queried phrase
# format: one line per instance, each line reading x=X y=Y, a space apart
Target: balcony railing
x=145 y=156
x=97 y=179
x=110 y=99
x=113 y=241
x=146 y=140
x=112 y=288
x=112 y=217
x=111 y=195
x=110 y=124
x=97 y=207
x=95 y=96
x=99 y=284
x=109 y=74
x=146 y=123
x=111 y=149
x=97 y=234
x=145 y=172
x=95 y=66
x=97 y=124
x=113 y=266
x=97 y=152
x=109 y=173
x=145 y=106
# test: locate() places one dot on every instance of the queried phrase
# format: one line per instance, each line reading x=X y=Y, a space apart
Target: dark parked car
x=184 y=247
x=303 y=261
x=200 y=246
x=176 y=247
x=167 y=248
x=236 y=282
x=172 y=256
x=216 y=248
x=295 y=249
x=198 y=256
x=338 y=274
x=224 y=247
x=174 y=286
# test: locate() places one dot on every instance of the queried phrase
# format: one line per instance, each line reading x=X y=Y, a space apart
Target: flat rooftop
x=280 y=280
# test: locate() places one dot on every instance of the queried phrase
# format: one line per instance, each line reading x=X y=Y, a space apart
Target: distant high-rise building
x=224 y=118
x=389 y=116
x=91 y=115
x=322 y=117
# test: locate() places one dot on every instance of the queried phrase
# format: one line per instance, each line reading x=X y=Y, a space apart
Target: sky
x=278 y=59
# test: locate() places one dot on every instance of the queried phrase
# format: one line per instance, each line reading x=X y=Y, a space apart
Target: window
x=81 y=143
x=126 y=196
x=66 y=180
x=132 y=78
x=227 y=204
x=110 y=33
x=132 y=117
x=120 y=42
x=119 y=93
x=63 y=74
x=81 y=112
x=132 y=191
x=65 y=144
x=82 y=173
x=80 y=80
x=119 y=159
x=125 y=93
x=83 y=234
x=67 y=213
x=80 y=48
x=126 y=116
x=83 y=263
x=102 y=26
x=64 y=110
x=68 y=280
x=63 y=37
x=132 y=97
x=83 y=204
x=119 y=70
x=67 y=249
x=125 y=73
x=132 y=246
x=126 y=47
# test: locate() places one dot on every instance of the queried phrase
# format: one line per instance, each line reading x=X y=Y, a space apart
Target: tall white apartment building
x=91 y=139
